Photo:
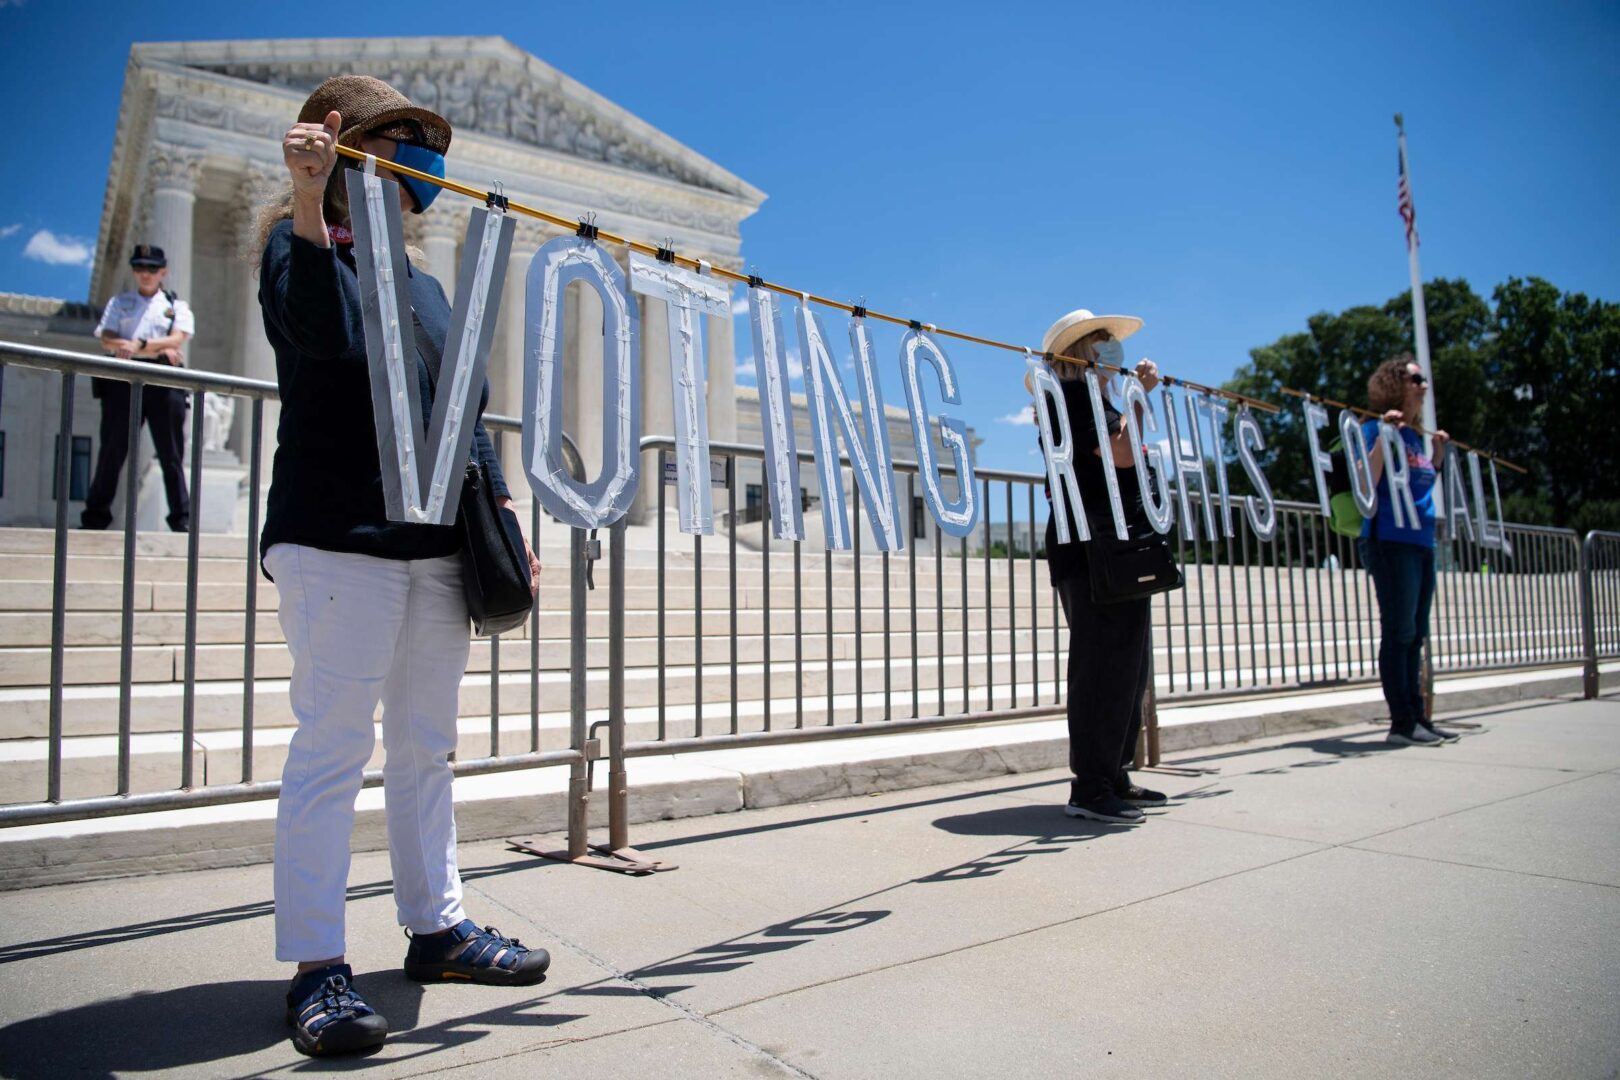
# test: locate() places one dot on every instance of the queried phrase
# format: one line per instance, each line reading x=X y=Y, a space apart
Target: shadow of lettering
x=731 y=955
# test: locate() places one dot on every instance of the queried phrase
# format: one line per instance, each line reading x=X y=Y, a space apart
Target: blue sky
x=1222 y=171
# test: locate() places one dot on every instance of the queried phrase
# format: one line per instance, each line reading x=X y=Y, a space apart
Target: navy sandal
x=464 y=953
x=328 y=1016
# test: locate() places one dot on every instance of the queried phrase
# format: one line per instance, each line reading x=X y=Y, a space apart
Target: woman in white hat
x=1108 y=643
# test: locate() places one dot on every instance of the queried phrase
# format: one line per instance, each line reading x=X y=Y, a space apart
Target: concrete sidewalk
x=1321 y=905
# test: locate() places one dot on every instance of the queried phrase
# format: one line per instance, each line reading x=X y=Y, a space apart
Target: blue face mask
x=424 y=160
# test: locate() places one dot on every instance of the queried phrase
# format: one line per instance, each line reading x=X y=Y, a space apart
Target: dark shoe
x=468 y=954
x=1444 y=734
x=1110 y=808
x=328 y=1016
x=1141 y=796
x=1418 y=736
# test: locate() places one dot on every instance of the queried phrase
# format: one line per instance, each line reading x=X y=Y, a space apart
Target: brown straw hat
x=368 y=104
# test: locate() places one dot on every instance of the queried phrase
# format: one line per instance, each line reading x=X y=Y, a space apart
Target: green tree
x=1536 y=380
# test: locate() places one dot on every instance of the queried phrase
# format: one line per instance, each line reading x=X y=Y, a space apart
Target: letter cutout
x=1261 y=508
x=959 y=516
x=1461 y=518
x=1356 y=459
x=1492 y=534
x=604 y=500
x=1189 y=466
x=1316 y=418
x=1398 y=473
x=419 y=488
x=869 y=455
x=1061 y=482
x=776 y=416
x=1110 y=471
x=1151 y=472
x=1217 y=411
x=687 y=296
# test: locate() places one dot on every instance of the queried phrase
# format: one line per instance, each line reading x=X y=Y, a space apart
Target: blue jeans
x=1403 y=575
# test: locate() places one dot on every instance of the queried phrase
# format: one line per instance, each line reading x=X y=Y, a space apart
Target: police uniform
x=133 y=317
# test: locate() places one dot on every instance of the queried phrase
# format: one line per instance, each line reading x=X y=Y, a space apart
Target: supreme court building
x=197 y=150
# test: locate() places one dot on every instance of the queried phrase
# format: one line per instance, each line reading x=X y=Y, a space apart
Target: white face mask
x=1110 y=352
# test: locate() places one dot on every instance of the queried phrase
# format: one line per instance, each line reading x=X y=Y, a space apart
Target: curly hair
x=1387 y=385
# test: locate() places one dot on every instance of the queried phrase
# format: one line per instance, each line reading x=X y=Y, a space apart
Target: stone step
x=717 y=781
x=90 y=763
x=93 y=710
x=1193 y=647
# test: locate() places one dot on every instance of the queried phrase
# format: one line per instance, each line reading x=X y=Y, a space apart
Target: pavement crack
x=683 y=1010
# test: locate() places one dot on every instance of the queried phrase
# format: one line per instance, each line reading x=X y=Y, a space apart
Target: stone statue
x=218 y=411
x=493 y=98
x=422 y=91
x=456 y=100
x=524 y=123
x=589 y=143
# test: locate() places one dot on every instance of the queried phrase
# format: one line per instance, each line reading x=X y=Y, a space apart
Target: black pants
x=164 y=411
x=1109 y=668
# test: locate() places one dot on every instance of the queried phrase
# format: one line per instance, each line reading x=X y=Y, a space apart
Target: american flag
x=1407 y=211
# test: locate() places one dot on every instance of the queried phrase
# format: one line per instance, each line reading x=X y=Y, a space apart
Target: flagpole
x=1420 y=321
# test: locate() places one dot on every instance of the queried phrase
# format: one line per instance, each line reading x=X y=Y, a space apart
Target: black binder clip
x=916 y=325
x=1048 y=357
x=858 y=311
x=666 y=254
x=495 y=199
x=587 y=228
x=755 y=281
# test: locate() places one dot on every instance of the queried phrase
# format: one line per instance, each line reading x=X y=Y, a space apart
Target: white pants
x=363 y=630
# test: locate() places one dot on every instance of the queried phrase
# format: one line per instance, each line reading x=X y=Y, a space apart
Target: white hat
x=1077 y=324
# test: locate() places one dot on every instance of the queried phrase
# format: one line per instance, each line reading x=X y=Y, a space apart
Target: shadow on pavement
x=148 y=1032
x=215 y=1022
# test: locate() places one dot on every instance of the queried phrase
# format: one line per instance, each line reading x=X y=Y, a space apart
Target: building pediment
x=480 y=84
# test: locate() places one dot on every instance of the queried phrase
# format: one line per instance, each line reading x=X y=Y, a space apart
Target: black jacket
x=326 y=486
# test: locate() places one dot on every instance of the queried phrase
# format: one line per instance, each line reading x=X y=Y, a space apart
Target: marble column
x=506 y=351
x=442 y=233
x=657 y=402
x=172 y=173
x=582 y=405
x=254 y=358
x=722 y=389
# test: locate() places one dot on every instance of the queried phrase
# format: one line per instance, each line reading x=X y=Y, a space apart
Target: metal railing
x=761 y=642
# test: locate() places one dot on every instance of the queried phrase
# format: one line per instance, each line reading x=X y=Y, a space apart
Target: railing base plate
x=622 y=860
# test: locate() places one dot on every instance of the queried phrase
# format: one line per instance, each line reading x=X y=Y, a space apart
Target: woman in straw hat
x=373 y=610
x=1108 y=643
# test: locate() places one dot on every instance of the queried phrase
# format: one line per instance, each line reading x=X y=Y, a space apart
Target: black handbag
x=494 y=565
x=1131 y=569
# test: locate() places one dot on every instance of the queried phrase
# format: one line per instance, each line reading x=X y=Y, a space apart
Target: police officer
x=148 y=323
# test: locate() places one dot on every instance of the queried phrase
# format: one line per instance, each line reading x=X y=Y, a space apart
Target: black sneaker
x=1141 y=796
x=1444 y=734
x=328 y=1016
x=1418 y=736
x=1109 y=807
x=464 y=953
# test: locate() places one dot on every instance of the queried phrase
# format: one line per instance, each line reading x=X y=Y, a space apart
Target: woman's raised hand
x=1395 y=417
x=310 y=154
x=1148 y=372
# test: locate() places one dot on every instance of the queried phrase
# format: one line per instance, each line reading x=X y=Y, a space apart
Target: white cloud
x=739 y=305
x=47 y=247
x=747 y=369
x=1021 y=418
x=9 y=230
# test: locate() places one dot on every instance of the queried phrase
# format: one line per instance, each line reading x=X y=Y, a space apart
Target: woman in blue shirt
x=1399 y=552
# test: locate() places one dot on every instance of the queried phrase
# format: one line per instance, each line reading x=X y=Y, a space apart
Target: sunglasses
x=1418 y=378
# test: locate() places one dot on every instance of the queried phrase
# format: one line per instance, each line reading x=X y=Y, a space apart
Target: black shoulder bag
x=494 y=567
x=1131 y=569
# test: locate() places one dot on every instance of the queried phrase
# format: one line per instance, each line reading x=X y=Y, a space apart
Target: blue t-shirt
x=1421 y=473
